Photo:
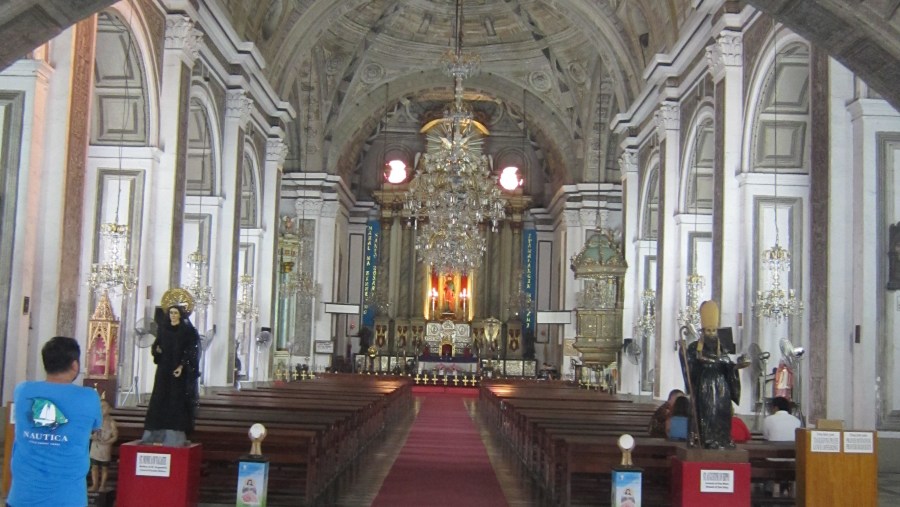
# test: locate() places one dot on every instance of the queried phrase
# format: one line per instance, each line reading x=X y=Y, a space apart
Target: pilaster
x=169 y=182
x=669 y=290
x=237 y=113
x=630 y=235
x=267 y=272
x=725 y=58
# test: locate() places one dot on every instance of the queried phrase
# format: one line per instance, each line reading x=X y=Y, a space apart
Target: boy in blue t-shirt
x=54 y=421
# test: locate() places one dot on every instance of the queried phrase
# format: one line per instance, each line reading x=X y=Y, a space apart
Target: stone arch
x=696 y=182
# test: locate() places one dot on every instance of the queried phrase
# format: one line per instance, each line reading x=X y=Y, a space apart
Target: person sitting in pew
x=780 y=426
x=740 y=433
x=658 y=421
x=678 y=423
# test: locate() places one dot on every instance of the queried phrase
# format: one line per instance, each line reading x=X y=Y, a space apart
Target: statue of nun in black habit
x=176 y=352
x=714 y=382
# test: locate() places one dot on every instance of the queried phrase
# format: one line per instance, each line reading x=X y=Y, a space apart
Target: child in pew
x=678 y=422
x=101 y=448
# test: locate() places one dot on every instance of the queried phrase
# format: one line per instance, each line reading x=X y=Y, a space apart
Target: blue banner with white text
x=370 y=274
x=529 y=274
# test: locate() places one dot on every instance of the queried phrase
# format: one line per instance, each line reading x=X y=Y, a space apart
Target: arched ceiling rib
x=551 y=49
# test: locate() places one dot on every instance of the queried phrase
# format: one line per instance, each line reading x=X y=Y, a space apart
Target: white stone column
x=267 y=269
x=325 y=264
x=225 y=255
x=631 y=185
x=670 y=290
x=839 y=321
x=725 y=59
x=869 y=118
x=570 y=236
x=22 y=357
x=167 y=183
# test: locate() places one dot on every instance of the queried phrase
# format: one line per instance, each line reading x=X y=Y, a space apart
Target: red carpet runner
x=443 y=463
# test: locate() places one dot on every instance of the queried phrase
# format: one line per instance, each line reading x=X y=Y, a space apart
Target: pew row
x=315 y=430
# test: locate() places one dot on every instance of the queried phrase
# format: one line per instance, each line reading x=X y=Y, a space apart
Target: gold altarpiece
x=425 y=304
x=101 y=358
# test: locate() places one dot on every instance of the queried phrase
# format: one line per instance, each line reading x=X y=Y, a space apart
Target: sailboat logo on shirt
x=45 y=414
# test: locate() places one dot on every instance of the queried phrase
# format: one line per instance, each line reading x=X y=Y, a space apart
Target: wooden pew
x=315 y=431
x=567 y=439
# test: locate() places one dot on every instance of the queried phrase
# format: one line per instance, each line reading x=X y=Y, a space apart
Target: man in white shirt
x=780 y=426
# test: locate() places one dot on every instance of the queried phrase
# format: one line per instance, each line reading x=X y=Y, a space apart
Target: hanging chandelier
x=246 y=308
x=306 y=288
x=775 y=303
x=646 y=325
x=690 y=314
x=114 y=274
x=202 y=292
x=454 y=190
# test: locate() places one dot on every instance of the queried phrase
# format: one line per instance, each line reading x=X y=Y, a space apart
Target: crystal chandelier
x=306 y=287
x=114 y=273
x=246 y=308
x=454 y=190
x=202 y=292
x=775 y=303
x=520 y=301
x=646 y=324
x=690 y=314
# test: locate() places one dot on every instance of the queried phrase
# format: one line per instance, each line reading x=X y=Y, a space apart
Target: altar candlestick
x=464 y=297
x=434 y=295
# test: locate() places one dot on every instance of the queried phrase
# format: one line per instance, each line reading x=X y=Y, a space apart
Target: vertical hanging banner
x=529 y=274
x=370 y=274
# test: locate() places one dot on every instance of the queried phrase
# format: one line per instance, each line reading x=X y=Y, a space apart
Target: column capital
x=330 y=209
x=572 y=218
x=666 y=118
x=238 y=106
x=628 y=161
x=727 y=51
x=181 y=36
x=308 y=207
x=276 y=151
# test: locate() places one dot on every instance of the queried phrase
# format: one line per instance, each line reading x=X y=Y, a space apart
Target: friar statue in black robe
x=176 y=352
x=714 y=382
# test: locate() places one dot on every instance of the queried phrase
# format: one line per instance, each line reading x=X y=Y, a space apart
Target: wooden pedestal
x=836 y=468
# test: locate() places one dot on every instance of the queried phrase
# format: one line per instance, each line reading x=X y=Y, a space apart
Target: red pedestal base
x=153 y=475
x=698 y=483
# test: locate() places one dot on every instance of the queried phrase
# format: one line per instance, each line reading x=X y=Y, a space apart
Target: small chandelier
x=306 y=287
x=246 y=308
x=115 y=273
x=690 y=314
x=202 y=292
x=646 y=325
x=520 y=301
x=776 y=303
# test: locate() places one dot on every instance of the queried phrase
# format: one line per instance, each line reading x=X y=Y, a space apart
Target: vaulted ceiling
x=570 y=65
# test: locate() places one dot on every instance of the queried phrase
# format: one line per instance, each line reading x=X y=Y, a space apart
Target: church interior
x=459 y=191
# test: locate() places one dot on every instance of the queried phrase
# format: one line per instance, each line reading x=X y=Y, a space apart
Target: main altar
x=428 y=321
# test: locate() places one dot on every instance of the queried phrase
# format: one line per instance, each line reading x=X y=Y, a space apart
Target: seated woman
x=740 y=433
x=677 y=424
